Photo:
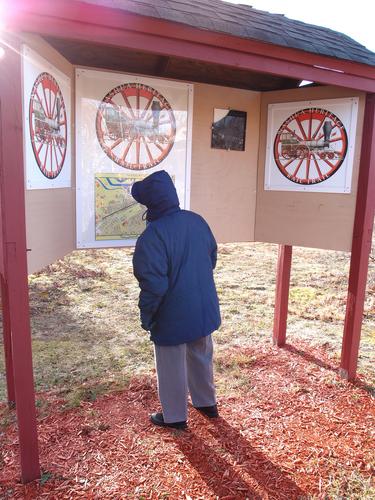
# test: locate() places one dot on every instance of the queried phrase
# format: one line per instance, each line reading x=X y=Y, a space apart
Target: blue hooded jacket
x=173 y=262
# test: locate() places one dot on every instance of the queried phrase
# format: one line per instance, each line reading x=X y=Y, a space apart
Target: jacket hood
x=158 y=194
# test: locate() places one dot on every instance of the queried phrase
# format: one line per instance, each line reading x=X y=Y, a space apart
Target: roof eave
x=87 y=22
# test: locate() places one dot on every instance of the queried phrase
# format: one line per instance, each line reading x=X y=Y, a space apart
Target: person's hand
x=148 y=328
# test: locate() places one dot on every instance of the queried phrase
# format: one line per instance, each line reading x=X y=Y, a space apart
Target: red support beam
x=115 y=27
x=282 y=294
x=12 y=196
x=361 y=245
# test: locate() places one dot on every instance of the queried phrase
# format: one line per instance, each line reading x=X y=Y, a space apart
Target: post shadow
x=274 y=482
x=217 y=473
x=266 y=477
x=310 y=358
x=370 y=389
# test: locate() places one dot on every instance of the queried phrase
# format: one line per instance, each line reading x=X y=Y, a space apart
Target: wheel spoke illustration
x=310 y=146
x=48 y=125
x=301 y=129
x=135 y=126
x=146 y=108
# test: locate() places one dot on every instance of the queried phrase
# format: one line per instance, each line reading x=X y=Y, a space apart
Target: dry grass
x=85 y=318
x=352 y=487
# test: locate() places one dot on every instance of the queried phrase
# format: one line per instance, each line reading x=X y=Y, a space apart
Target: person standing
x=173 y=261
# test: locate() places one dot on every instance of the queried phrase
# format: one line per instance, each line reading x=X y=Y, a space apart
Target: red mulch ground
x=297 y=425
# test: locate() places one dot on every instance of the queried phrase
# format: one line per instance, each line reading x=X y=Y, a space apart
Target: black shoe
x=158 y=419
x=209 y=411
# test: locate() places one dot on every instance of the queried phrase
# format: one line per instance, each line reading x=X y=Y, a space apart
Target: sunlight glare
x=305 y=82
x=2 y=16
x=2 y=27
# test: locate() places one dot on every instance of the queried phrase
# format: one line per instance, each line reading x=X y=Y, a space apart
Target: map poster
x=127 y=127
x=310 y=145
x=47 y=123
x=117 y=215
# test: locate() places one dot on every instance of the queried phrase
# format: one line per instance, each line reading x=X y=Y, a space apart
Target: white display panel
x=310 y=145
x=127 y=127
x=47 y=123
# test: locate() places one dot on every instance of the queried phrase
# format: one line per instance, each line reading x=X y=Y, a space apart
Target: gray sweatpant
x=181 y=369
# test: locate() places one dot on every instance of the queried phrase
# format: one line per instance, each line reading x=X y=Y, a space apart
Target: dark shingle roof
x=246 y=22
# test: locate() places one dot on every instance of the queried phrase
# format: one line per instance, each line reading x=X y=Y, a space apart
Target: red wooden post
x=7 y=334
x=12 y=188
x=361 y=245
x=282 y=294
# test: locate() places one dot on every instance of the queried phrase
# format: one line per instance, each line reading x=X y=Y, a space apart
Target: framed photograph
x=228 y=130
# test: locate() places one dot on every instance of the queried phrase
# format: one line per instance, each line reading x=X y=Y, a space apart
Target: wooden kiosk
x=233 y=58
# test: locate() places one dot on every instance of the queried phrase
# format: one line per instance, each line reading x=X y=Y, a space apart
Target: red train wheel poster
x=135 y=126
x=127 y=126
x=48 y=125
x=46 y=122
x=310 y=146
